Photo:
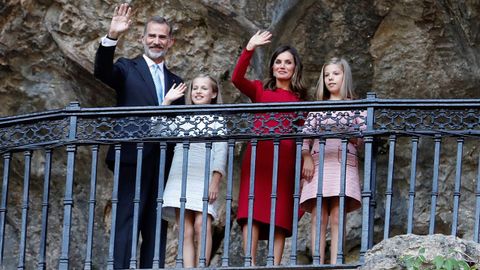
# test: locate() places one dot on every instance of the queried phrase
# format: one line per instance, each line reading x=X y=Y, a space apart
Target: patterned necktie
x=158 y=83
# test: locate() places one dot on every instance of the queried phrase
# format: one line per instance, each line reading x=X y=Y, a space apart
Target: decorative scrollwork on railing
x=220 y=124
x=239 y=123
x=335 y=122
x=328 y=119
x=109 y=128
x=31 y=133
x=204 y=125
x=427 y=119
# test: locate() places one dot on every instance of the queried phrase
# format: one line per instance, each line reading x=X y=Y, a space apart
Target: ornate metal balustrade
x=383 y=125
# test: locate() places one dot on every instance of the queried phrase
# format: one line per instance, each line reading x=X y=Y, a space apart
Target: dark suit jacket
x=133 y=82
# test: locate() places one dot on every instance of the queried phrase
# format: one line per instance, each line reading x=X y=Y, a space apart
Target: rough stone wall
x=392 y=254
x=398 y=49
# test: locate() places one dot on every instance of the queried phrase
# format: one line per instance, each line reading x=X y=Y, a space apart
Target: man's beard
x=153 y=55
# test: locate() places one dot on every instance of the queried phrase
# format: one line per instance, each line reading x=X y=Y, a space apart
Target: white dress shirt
x=108 y=42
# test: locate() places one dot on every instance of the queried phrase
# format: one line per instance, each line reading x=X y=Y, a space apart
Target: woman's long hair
x=296 y=82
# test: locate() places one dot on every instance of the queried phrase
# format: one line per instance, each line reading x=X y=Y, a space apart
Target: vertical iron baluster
x=229 y=198
x=411 y=192
x=7 y=157
x=183 y=200
x=158 y=223
x=389 y=191
x=68 y=197
x=341 y=206
x=273 y=203
x=67 y=206
x=296 y=200
x=318 y=221
x=458 y=184
x=251 y=197
x=26 y=190
x=366 y=196
x=476 y=231
x=116 y=176
x=91 y=207
x=45 y=205
x=202 y=259
x=373 y=187
x=136 y=206
x=367 y=192
x=436 y=167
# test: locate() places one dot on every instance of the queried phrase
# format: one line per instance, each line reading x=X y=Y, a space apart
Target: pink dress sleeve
x=249 y=88
x=309 y=126
x=361 y=122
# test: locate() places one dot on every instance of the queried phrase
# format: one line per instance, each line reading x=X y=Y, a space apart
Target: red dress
x=264 y=160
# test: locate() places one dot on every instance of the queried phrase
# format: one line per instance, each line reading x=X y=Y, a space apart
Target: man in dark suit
x=142 y=81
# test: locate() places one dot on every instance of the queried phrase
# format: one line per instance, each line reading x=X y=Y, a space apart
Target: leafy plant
x=414 y=262
x=440 y=262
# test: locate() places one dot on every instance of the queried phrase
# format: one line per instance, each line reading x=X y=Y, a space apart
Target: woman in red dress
x=283 y=85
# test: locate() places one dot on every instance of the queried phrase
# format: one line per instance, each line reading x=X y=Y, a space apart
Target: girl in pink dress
x=335 y=83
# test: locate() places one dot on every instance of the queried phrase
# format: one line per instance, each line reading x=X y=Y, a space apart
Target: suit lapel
x=170 y=79
x=144 y=71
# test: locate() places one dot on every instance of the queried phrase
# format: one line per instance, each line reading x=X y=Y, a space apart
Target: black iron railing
x=385 y=126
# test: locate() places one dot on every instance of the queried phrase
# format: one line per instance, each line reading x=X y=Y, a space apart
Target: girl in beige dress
x=203 y=90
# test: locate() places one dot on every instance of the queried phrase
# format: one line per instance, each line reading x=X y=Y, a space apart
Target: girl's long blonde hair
x=346 y=90
x=215 y=87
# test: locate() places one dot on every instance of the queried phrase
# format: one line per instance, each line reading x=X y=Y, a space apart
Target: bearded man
x=141 y=81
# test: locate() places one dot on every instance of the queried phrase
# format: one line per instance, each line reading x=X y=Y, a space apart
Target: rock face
x=398 y=49
x=391 y=253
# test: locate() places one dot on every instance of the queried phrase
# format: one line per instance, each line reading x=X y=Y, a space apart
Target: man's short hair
x=159 y=20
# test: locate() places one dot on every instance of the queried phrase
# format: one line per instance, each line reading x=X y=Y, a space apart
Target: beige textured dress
x=205 y=124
